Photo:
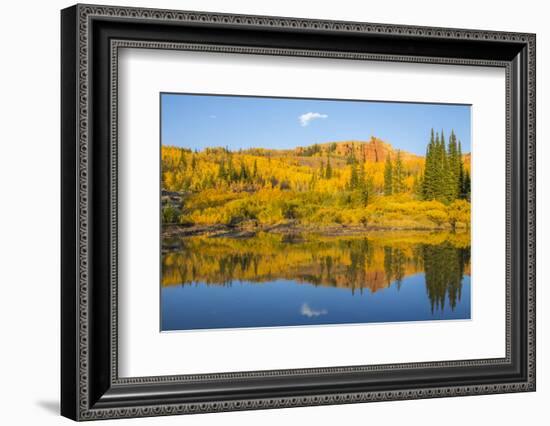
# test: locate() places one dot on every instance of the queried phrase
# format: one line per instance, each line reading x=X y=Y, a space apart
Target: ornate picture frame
x=91 y=37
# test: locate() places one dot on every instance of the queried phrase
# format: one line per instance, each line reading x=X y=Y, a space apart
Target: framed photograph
x=263 y=212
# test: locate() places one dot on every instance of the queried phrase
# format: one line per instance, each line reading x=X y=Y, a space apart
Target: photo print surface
x=295 y=212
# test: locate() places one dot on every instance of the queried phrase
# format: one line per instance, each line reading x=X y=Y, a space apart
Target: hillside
x=366 y=183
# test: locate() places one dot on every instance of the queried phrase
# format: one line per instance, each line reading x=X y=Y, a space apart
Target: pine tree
x=466 y=190
x=368 y=190
x=443 y=177
x=398 y=175
x=231 y=172
x=463 y=177
x=222 y=174
x=438 y=167
x=455 y=165
x=362 y=177
x=447 y=188
x=244 y=173
x=388 y=176
x=351 y=156
x=428 y=192
x=418 y=186
x=354 y=177
x=255 y=169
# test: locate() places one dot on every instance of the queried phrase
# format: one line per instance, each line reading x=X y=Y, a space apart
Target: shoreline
x=287 y=228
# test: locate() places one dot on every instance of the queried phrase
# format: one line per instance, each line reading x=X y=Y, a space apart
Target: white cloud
x=308 y=312
x=308 y=116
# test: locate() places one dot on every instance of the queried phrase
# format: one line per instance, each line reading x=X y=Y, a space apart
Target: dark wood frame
x=91 y=37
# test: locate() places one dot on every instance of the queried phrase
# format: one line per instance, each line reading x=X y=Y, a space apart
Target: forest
x=353 y=185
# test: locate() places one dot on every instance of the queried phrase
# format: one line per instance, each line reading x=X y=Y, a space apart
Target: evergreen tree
x=388 y=177
x=448 y=192
x=328 y=171
x=443 y=177
x=418 y=186
x=464 y=178
x=222 y=174
x=365 y=183
x=354 y=177
x=466 y=190
x=454 y=167
x=367 y=189
x=362 y=176
x=351 y=156
x=244 y=173
x=460 y=182
x=438 y=168
x=428 y=181
x=231 y=172
x=398 y=175
x=255 y=169
x=448 y=185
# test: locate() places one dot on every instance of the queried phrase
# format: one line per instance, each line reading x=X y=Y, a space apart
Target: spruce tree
x=354 y=177
x=446 y=184
x=222 y=174
x=368 y=190
x=443 y=177
x=244 y=173
x=461 y=184
x=418 y=186
x=362 y=177
x=398 y=175
x=231 y=172
x=448 y=188
x=437 y=167
x=454 y=167
x=255 y=169
x=351 y=155
x=388 y=176
x=466 y=188
x=364 y=182
x=428 y=191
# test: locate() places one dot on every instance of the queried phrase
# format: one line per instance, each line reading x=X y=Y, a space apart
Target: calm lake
x=288 y=280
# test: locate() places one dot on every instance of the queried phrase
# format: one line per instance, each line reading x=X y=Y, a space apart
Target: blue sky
x=200 y=121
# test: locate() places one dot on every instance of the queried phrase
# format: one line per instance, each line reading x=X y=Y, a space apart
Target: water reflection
x=309 y=312
x=355 y=264
x=280 y=280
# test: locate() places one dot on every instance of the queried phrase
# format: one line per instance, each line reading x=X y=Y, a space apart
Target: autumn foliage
x=367 y=184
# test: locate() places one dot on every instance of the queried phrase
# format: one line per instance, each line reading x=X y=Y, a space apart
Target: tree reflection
x=443 y=269
x=355 y=264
